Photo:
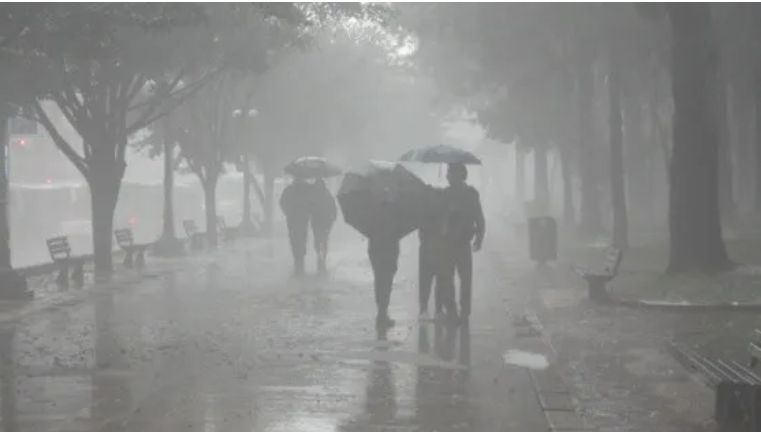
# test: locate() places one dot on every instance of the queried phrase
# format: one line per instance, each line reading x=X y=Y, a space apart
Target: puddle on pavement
x=397 y=357
x=526 y=359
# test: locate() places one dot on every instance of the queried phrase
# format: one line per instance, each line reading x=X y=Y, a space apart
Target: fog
x=529 y=201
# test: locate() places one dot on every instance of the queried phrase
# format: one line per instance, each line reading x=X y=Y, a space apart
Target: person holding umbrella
x=384 y=202
x=297 y=202
x=465 y=228
x=383 y=251
x=463 y=224
x=430 y=235
x=323 y=215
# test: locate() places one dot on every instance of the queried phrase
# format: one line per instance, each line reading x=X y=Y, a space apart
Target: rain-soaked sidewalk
x=232 y=343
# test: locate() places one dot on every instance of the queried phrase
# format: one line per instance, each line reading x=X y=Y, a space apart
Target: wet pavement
x=232 y=343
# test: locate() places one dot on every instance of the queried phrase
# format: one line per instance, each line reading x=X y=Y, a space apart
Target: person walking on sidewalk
x=383 y=252
x=323 y=214
x=464 y=230
x=430 y=235
x=295 y=203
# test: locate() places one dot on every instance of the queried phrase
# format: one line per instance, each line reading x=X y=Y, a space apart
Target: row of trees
x=216 y=86
x=359 y=99
x=662 y=95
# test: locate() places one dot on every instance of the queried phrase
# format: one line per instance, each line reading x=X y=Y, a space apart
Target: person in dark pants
x=430 y=234
x=323 y=214
x=383 y=251
x=464 y=227
x=295 y=203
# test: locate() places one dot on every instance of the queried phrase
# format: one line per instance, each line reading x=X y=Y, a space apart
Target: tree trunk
x=269 y=202
x=210 y=201
x=541 y=179
x=104 y=193
x=694 y=220
x=5 y=223
x=591 y=212
x=726 y=190
x=743 y=124
x=615 y=127
x=520 y=176
x=168 y=228
x=247 y=225
x=569 y=210
x=757 y=120
x=8 y=389
x=168 y=244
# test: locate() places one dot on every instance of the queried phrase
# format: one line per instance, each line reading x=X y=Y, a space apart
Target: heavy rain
x=335 y=217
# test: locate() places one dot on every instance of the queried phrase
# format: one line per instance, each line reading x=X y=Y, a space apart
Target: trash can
x=542 y=239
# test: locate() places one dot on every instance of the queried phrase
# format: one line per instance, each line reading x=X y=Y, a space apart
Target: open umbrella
x=312 y=167
x=440 y=154
x=382 y=198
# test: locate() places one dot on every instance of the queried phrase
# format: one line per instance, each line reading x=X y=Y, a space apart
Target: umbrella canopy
x=312 y=167
x=382 y=199
x=440 y=154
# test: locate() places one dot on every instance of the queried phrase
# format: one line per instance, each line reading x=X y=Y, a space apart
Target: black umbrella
x=312 y=167
x=382 y=199
x=440 y=154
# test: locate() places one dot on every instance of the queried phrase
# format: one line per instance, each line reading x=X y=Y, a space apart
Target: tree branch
x=60 y=141
x=176 y=99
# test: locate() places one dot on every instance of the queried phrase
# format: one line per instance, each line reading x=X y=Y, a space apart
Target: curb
x=682 y=307
x=24 y=309
x=559 y=408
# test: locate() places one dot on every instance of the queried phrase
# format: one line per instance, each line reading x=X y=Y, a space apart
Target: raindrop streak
x=526 y=359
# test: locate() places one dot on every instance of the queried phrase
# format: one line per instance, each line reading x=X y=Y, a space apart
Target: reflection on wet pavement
x=237 y=345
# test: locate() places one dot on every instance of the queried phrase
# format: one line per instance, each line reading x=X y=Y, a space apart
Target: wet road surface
x=234 y=343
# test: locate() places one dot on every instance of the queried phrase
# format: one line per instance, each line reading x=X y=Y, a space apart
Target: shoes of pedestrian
x=384 y=321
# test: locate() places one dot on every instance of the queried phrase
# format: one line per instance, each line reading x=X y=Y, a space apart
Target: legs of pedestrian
x=297 y=233
x=464 y=265
x=445 y=284
x=324 y=256
x=383 y=256
x=425 y=278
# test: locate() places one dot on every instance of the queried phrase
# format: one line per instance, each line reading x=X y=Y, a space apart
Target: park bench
x=227 y=234
x=134 y=253
x=60 y=253
x=597 y=279
x=737 y=388
x=195 y=237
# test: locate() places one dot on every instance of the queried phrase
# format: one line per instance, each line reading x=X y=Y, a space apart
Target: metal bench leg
x=140 y=260
x=731 y=407
x=63 y=276
x=597 y=291
x=78 y=276
x=128 y=258
x=755 y=408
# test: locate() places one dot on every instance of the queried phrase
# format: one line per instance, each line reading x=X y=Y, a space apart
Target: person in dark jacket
x=430 y=235
x=295 y=203
x=383 y=252
x=464 y=228
x=323 y=215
